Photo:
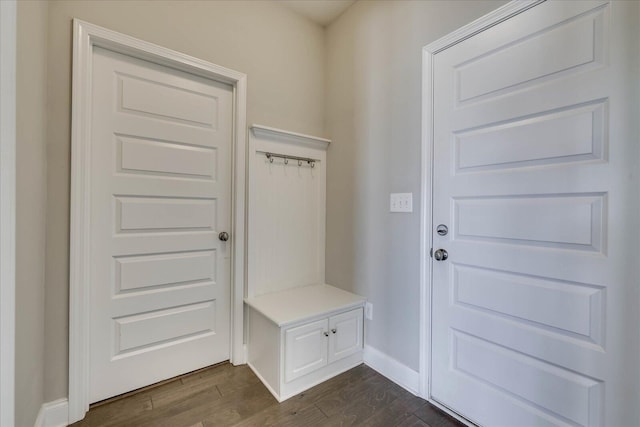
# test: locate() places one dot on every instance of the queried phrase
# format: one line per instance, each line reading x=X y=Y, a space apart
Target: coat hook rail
x=309 y=161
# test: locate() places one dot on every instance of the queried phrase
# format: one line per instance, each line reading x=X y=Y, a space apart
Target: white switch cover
x=401 y=202
x=368 y=311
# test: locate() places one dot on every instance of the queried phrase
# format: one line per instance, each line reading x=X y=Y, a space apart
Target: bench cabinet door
x=305 y=349
x=345 y=337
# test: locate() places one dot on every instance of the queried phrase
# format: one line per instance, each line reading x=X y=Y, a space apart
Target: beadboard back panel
x=286 y=210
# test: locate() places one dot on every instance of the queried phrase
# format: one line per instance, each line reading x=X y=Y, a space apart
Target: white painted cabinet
x=301 y=337
x=313 y=345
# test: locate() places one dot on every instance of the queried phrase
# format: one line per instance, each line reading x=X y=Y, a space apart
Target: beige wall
x=373 y=117
x=30 y=208
x=282 y=54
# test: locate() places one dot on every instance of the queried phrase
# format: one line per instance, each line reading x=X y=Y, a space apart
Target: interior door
x=534 y=312
x=160 y=196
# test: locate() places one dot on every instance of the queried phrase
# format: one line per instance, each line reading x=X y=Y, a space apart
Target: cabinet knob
x=334 y=330
x=326 y=334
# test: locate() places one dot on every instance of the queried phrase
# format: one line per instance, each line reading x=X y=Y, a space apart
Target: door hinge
x=431 y=252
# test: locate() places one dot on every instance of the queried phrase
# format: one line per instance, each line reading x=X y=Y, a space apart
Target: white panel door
x=160 y=194
x=534 y=313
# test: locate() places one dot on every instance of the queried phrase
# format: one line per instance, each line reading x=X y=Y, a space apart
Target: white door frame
x=87 y=36
x=503 y=13
x=8 y=26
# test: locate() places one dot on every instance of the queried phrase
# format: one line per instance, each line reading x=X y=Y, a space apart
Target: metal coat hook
x=310 y=162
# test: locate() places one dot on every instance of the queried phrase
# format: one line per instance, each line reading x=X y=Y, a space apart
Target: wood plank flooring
x=224 y=395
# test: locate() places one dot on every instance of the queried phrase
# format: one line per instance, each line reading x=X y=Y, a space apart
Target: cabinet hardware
x=334 y=330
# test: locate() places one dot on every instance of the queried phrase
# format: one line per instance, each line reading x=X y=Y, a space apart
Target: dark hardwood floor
x=224 y=395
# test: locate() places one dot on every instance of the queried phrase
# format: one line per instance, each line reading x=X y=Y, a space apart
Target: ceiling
x=322 y=12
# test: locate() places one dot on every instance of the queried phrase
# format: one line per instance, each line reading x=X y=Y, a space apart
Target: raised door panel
x=305 y=349
x=346 y=334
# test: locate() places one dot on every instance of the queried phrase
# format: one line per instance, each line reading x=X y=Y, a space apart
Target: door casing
x=503 y=13
x=87 y=36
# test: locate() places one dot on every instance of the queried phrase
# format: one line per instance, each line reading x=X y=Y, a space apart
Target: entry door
x=535 y=309
x=160 y=196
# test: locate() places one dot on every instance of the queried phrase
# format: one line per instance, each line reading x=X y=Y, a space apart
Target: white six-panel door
x=535 y=310
x=160 y=194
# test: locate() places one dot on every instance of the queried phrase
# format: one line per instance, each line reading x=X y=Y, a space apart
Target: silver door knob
x=224 y=236
x=441 y=255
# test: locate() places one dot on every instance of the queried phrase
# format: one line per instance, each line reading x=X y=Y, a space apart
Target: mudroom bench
x=300 y=337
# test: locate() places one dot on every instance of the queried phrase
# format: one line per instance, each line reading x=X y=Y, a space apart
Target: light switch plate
x=401 y=202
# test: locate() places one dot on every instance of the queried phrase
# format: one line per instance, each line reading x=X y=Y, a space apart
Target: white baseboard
x=54 y=414
x=400 y=374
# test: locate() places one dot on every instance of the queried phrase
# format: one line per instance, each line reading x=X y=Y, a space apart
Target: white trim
x=489 y=20
x=292 y=137
x=426 y=230
x=53 y=414
x=239 y=222
x=425 y=225
x=389 y=367
x=86 y=37
x=8 y=24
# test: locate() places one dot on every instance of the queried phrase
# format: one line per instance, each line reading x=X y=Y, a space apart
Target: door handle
x=441 y=255
x=224 y=236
